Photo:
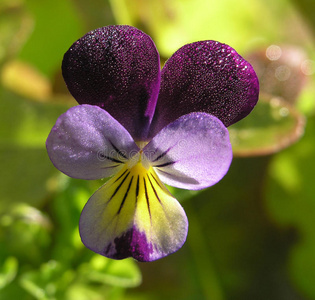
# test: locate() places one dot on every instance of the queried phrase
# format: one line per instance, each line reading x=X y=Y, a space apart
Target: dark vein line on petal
x=121 y=176
x=162 y=155
x=119 y=186
x=157 y=196
x=154 y=190
x=125 y=196
x=162 y=171
x=111 y=158
x=109 y=167
x=137 y=190
x=147 y=197
x=156 y=181
x=182 y=178
x=118 y=151
x=165 y=164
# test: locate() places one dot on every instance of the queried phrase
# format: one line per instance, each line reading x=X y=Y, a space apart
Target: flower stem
x=209 y=282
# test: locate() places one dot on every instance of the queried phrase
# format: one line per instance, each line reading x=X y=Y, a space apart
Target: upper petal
x=206 y=76
x=87 y=143
x=118 y=69
x=193 y=152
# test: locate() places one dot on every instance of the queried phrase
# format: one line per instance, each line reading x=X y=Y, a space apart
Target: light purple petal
x=193 y=152
x=209 y=77
x=133 y=215
x=118 y=69
x=87 y=143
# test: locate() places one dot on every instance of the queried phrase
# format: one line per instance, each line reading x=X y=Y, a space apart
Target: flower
x=141 y=128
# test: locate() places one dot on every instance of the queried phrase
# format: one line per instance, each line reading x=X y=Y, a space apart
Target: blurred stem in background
x=202 y=258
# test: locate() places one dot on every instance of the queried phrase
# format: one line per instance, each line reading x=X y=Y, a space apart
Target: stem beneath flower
x=204 y=266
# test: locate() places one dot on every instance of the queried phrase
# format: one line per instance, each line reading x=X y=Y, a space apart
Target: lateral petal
x=193 y=152
x=133 y=215
x=88 y=143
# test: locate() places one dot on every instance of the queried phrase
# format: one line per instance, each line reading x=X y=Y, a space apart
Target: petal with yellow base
x=133 y=215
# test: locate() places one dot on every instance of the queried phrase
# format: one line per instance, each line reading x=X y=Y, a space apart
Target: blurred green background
x=252 y=236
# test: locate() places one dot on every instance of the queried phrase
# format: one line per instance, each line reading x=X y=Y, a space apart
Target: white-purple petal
x=133 y=215
x=88 y=143
x=193 y=152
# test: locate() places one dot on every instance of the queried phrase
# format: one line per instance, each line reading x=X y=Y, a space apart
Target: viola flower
x=143 y=128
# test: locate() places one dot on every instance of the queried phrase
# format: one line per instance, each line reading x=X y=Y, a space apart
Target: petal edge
x=206 y=76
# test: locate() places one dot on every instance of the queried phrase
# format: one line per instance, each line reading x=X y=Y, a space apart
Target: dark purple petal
x=209 y=77
x=116 y=68
x=193 y=152
x=88 y=143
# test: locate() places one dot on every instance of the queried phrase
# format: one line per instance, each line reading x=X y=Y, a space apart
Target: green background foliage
x=251 y=236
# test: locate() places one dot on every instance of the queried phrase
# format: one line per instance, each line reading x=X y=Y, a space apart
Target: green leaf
x=8 y=271
x=49 y=282
x=82 y=291
x=25 y=233
x=122 y=273
x=67 y=206
x=273 y=125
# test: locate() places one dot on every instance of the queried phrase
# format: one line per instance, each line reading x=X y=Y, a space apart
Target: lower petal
x=133 y=215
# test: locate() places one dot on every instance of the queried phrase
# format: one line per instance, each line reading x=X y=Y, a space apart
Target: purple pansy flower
x=142 y=128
